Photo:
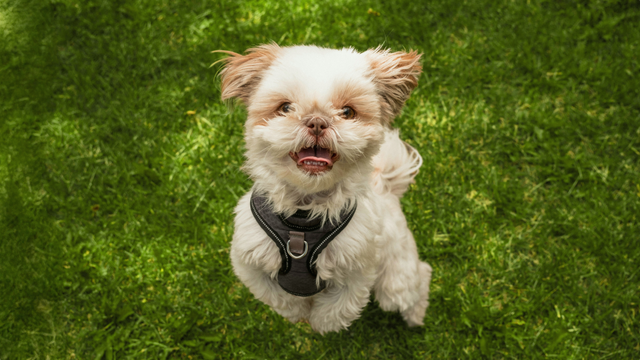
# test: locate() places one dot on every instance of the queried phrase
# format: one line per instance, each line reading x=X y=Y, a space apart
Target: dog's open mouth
x=315 y=160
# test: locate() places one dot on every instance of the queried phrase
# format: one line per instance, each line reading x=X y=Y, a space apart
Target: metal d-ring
x=306 y=247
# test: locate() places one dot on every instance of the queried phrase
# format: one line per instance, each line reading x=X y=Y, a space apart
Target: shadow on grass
x=31 y=269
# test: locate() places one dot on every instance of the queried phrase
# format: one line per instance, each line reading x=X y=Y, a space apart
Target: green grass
x=116 y=199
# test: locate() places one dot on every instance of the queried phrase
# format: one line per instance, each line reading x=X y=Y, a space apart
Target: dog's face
x=317 y=116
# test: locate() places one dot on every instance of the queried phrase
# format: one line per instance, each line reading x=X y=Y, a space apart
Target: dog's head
x=317 y=116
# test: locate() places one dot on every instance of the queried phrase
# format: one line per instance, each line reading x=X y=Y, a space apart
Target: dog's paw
x=323 y=321
x=414 y=316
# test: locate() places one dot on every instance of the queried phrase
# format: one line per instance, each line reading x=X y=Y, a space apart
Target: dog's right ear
x=242 y=73
x=396 y=75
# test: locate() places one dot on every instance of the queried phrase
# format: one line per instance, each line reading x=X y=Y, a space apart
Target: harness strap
x=297 y=247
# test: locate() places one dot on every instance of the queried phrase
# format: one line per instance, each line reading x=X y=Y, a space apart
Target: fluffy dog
x=322 y=155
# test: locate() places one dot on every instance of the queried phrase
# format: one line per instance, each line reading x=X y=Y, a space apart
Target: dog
x=322 y=225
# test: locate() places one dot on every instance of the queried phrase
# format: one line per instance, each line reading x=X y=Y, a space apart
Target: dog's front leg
x=256 y=265
x=339 y=305
x=267 y=290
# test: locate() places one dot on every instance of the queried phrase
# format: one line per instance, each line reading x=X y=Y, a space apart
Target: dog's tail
x=395 y=166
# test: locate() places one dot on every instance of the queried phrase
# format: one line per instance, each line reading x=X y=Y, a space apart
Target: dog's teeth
x=314 y=163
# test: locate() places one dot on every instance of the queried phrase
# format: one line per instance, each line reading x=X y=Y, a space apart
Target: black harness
x=300 y=241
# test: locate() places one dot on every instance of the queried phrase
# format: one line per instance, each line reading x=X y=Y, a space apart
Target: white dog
x=323 y=225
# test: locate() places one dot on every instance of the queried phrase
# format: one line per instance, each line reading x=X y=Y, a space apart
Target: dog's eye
x=347 y=112
x=285 y=108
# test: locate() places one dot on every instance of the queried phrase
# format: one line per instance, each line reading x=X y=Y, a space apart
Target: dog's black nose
x=317 y=125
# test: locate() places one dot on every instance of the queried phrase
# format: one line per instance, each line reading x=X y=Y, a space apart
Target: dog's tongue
x=315 y=153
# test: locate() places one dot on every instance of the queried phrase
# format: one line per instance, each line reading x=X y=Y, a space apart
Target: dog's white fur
x=376 y=250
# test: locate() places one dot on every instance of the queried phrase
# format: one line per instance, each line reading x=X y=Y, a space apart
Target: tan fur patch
x=365 y=104
x=265 y=108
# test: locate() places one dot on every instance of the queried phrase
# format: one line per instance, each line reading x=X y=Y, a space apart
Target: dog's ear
x=396 y=75
x=242 y=73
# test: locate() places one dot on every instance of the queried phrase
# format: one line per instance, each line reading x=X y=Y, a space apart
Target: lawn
x=120 y=167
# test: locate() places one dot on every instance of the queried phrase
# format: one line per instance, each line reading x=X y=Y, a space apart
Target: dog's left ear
x=242 y=73
x=396 y=75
